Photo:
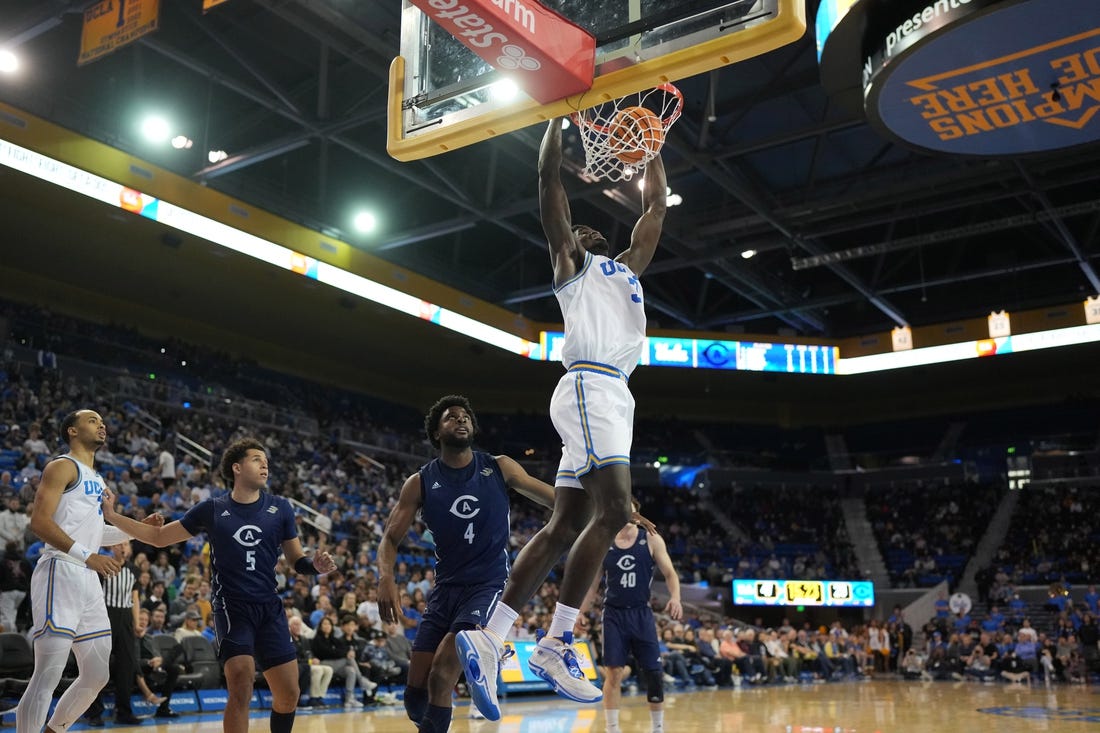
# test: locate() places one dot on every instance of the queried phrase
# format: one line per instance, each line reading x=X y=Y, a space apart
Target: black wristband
x=304 y=566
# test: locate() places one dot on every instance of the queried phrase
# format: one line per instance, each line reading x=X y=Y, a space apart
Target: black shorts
x=627 y=630
x=256 y=629
x=454 y=608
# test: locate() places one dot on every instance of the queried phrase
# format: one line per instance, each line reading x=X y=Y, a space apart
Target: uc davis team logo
x=248 y=535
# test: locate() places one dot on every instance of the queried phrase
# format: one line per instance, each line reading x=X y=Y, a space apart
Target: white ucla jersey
x=80 y=511
x=604 y=314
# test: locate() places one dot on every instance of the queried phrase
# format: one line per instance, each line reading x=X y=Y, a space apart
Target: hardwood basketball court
x=872 y=707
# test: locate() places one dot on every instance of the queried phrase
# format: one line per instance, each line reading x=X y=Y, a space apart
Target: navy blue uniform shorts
x=255 y=629
x=630 y=629
x=454 y=608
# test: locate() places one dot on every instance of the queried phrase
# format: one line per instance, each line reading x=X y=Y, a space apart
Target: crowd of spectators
x=1053 y=536
x=792 y=533
x=927 y=534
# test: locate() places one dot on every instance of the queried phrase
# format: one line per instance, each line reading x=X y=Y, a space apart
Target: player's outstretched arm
x=113 y=535
x=557 y=220
x=647 y=232
x=517 y=478
x=397 y=527
x=157 y=536
x=659 y=551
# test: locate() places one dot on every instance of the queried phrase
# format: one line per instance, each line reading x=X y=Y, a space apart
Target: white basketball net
x=602 y=151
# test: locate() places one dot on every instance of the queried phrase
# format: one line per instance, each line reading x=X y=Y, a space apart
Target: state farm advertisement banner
x=549 y=57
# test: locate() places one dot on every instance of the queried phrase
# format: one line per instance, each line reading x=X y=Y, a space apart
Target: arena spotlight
x=505 y=90
x=155 y=129
x=182 y=142
x=748 y=254
x=364 y=222
x=217 y=156
x=9 y=62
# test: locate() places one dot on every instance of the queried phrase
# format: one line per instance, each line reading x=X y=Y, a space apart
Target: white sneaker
x=353 y=704
x=555 y=661
x=480 y=655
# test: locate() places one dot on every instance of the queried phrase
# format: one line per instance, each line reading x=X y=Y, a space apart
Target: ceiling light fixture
x=9 y=62
x=155 y=129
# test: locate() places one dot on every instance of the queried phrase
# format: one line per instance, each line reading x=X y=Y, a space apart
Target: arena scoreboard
x=855 y=593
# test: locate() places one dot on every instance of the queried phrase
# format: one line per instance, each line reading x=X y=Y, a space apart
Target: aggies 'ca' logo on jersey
x=248 y=535
x=465 y=507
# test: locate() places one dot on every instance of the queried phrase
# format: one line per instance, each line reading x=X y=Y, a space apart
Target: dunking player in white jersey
x=593 y=412
x=66 y=595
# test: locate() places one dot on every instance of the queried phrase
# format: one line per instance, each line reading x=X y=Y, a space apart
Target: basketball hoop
x=621 y=136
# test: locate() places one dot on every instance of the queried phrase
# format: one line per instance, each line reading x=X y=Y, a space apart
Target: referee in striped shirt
x=120 y=592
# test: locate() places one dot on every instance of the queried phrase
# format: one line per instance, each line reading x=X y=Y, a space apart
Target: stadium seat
x=16 y=663
x=168 y=648
x=200 y=658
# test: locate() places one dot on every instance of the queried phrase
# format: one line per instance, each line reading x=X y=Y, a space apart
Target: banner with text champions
x=974 y=77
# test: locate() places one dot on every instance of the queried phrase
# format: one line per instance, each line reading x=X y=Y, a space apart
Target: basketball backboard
x=443 y=96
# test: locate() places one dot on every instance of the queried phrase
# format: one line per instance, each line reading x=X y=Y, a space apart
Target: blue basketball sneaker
x=481 y=655
x=555 y=661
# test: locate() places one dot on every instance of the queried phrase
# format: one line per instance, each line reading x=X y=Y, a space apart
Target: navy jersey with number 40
x=629 y=573
x=246 y=541
x=467 y=512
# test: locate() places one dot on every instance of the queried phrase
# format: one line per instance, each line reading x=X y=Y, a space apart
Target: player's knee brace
x=655 y=685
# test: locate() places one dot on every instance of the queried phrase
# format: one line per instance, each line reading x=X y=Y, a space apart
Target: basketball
x=636 y=134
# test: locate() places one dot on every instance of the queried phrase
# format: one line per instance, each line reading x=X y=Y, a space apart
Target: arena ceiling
x=295 y=91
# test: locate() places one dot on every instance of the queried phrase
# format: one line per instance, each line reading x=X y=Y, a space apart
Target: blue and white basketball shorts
x=256 y=629
x=67 y=600
x=627 y=630
x=594 y=416
x=454 y=608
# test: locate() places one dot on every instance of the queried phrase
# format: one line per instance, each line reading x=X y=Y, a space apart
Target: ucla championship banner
x=111 y=24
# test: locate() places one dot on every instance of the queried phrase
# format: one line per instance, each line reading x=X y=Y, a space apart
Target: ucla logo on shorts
x=465 y=507
x=626 y=562
x=248 y=535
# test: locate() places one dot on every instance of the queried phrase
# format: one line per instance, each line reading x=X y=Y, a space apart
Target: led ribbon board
x=852 y=593
x=177 y=217
x=659 y=351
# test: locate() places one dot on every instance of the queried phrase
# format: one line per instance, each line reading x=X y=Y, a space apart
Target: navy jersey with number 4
x=246 y=541
x=467 y=511
x=629 y=573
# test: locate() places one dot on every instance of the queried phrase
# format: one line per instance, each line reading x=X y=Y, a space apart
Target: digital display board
x=753 y=356
x=856 y=593
x=758 y=356
x=516 y=676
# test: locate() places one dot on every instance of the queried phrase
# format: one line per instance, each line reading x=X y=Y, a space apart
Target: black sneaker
x=166 y=712
x=96 y=721
x=128 y=719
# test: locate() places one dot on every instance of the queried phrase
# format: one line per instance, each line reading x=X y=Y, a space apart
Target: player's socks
x=657 y=719
x=436 y=720
x=416 y=703
x=564 y=619
x=282 y=722
x=501 y=620
x=612 y=721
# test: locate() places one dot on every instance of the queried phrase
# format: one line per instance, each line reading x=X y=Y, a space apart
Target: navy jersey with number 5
x=246 y=541
x=467 y=512
x=629 y=573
